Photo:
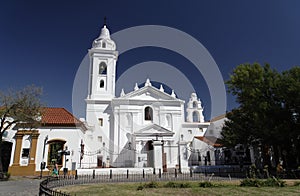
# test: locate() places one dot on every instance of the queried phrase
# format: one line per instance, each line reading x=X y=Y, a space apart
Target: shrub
x=185 y=185
x=140 y=187
x=171 y=185
x=151 y=185
x=205 y=184
x=253 y=182
x=177 y=185
x=147 y=185
x=272 y=182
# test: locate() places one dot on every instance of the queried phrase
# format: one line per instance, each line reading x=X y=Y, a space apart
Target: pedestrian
x=55 y=170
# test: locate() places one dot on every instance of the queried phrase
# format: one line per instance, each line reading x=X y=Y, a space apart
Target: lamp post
x=43 y=164
x=65 y=152
x=199 y=157
x=81 y=152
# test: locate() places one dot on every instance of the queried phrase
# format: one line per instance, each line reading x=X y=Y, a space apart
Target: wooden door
x=164 y=159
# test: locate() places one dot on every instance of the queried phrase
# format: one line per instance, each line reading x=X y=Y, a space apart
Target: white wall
x=72 y=136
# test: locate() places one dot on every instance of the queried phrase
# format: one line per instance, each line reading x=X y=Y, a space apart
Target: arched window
x=102 y=68
x=101 y=83
x=148 y=113
x=53 y=155
x=196 y=116
x=103 y=45
x=195 y=104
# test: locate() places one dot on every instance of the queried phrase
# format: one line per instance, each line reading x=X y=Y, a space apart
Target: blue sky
x=44 y=42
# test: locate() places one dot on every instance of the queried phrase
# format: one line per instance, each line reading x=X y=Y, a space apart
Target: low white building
x=59 y=131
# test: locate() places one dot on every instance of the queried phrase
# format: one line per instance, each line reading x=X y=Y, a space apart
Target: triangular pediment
x=148 y=93
x=154 y=130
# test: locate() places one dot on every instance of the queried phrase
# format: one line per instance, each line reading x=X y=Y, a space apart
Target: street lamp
x=65 y=152
x=43 y=164
x=81 y=152
x=199 y=157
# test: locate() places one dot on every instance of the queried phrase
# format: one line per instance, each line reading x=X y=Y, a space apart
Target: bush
x=272 y=182
x=147 y=185
x=177 y=185
x=205 y=184
x=171 y=185
x=151 y=185
x=140 y=187
x=253 y=182
x=185 y=185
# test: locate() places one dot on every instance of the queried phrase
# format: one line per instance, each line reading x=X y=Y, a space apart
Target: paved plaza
x=20 y=186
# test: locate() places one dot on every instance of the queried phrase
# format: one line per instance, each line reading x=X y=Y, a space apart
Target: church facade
x=146 y=127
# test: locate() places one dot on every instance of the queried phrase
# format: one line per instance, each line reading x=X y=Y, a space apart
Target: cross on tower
x=105 y=20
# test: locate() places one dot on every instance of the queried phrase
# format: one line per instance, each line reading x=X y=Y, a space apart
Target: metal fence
x=47 y=186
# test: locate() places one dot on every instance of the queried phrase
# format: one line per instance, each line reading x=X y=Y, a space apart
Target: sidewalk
x=20 y=186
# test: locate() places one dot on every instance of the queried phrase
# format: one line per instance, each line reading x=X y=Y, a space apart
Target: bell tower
x=101 y=90
x=103 y=58
x=194 y=110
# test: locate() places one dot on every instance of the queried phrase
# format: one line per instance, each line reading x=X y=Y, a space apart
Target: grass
x=172 y=188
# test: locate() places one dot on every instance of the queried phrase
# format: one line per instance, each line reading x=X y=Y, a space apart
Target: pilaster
x=34 y=138
x=157 y=148
x=17 y=154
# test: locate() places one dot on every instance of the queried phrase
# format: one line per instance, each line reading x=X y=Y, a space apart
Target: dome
x=104 y=41
x=104 y=33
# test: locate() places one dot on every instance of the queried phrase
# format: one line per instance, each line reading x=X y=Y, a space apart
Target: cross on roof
x=105 y=20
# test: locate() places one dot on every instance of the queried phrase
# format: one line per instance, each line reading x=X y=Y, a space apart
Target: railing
x=45 y=189
x=47 y=186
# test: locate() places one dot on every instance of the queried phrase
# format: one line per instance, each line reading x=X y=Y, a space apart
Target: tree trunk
x=1 y=166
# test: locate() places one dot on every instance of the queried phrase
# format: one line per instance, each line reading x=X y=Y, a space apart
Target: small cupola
x=103 y=41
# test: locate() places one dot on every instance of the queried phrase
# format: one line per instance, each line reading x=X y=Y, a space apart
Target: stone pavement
x=20 y=186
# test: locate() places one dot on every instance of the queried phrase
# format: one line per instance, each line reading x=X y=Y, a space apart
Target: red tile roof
x=213 y=141
x=59 y=117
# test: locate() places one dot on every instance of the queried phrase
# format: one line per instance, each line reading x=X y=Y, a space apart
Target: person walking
x=55 y=170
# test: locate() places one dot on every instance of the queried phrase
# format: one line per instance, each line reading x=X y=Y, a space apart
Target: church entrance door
x=150 y=154
x=99 y=161
x=164 y=159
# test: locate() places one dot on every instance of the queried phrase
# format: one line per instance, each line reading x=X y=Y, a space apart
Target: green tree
x=268 y=112
x=20 y=108
x=290 y=96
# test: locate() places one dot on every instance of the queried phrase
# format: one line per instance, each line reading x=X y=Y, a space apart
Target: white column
x=157 y=155
x=137 y=154
x=183 y=156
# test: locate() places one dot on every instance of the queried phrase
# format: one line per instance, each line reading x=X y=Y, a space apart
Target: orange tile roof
x=213 y=141
x=59 y=117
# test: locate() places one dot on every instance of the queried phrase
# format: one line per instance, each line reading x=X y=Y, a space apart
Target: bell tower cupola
x=194 y=110
x=103 y=58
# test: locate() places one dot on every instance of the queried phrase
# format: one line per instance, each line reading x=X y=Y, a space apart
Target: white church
x=145 y=128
